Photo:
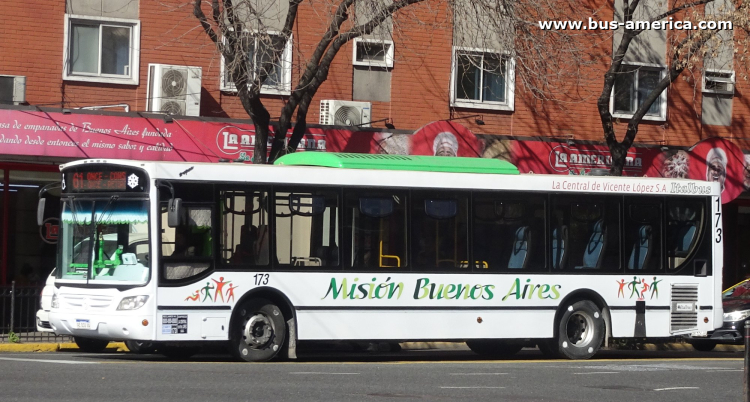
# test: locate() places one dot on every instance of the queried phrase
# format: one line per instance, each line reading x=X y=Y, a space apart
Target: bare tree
x=242 y=33
x=686 y=50
x=556 y=63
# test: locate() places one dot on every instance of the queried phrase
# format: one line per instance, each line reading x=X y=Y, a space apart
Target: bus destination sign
x=87 y=181
x=104 y=179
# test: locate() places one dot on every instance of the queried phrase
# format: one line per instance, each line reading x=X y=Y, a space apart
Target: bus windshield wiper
x=106 y=209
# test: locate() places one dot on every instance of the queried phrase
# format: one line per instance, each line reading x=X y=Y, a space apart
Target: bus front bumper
x=114 y=327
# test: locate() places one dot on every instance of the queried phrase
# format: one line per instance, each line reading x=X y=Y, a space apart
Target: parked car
x=42 y=315
x=736 y=304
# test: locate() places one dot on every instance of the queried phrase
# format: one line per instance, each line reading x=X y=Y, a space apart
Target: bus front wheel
x=580 y=331
x=90 y=345
x=258 y=331
x=140 y=347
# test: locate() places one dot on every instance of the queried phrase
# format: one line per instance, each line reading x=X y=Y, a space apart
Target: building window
x=373 y=53
x=101 y=49
x=279 y=80
x=632 y=86
x=718 y=82
x=482 y=79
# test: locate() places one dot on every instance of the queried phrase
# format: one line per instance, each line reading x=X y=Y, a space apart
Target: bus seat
x=519 y=251
x=592 y=256
x=641 y=251
x=328 y=255
x=559 y=249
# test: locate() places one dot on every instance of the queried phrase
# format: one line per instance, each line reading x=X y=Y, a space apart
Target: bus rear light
x=705 y=319
x=144 y=323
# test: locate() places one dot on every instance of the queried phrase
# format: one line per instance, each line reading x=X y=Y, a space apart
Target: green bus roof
x=398 y=162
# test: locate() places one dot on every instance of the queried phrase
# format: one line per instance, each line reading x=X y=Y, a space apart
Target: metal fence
x=18 y=307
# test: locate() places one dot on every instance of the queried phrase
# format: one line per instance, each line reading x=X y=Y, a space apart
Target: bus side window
x=244 y=227
x=643 y=235
x=375 y=229
x=593 y=234
x=439 y=231
x=191 y=244
x=508 y=232
x=307 y=228
x=684 y=219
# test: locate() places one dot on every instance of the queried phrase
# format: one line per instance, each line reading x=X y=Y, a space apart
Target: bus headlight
x=132 y=303
x=736 y=315
x=55 y=301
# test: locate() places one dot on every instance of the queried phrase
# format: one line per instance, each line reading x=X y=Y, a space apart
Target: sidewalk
x=53 y=347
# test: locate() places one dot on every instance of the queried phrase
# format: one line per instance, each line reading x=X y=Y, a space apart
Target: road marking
x=18 y=359
x=478 y=373
x=723 y=370
x=599 y=372
x=322 y=373
x=472 y=387
x=674 y=388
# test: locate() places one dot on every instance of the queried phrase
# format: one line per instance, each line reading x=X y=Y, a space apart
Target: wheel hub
x=580 y=329
x=258 y=331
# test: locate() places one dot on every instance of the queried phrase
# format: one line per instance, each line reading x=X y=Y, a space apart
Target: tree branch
x=198 y=13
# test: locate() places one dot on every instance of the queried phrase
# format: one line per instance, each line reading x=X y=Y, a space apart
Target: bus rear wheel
x=706 y=346
x=258 y=331
x=581 y=331
x=495 y=349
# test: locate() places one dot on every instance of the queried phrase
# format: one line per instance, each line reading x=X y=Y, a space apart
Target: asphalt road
x=407 y=376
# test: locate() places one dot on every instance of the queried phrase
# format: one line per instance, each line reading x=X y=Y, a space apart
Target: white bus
x=386 y=248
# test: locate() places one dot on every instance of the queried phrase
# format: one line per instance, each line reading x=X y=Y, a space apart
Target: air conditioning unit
x=345 y=113
x=718 y=82
x=174 y=89
x=12 y=89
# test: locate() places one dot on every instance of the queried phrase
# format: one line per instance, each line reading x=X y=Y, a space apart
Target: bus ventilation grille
x=684 y=308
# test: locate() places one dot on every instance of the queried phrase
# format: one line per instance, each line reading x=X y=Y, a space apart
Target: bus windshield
x=104 y=241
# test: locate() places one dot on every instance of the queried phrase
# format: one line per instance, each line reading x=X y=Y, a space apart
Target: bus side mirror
x=174 y=212
x=40 y=211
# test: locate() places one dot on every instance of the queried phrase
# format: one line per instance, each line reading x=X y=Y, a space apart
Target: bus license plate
x=83 y=324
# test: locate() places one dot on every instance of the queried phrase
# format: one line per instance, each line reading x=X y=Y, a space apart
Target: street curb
x=53 y=347
x=120 y=347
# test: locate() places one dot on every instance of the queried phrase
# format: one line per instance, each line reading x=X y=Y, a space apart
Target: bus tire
x=140 y=347
x=258 y=331
x=706 y=346
x=495 y=349
x=549 y=348
x=581 y=330
x=90 y=345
